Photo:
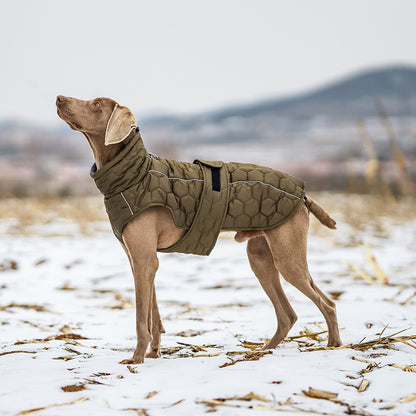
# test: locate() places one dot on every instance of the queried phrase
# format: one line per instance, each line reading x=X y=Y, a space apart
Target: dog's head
x=101 y=117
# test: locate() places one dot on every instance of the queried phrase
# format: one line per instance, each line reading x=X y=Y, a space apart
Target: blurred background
x=325 y=90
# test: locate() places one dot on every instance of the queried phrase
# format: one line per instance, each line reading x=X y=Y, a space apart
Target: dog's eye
x=97 y=104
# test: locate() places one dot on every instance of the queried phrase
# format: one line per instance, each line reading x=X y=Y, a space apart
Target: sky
x=189 y=56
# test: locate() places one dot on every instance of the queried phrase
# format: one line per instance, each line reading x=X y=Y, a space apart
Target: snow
x=85 y=286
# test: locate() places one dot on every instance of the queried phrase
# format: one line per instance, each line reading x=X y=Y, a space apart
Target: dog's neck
x=102 y=153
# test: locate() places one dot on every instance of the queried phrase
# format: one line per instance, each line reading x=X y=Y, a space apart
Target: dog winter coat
x=204 y=197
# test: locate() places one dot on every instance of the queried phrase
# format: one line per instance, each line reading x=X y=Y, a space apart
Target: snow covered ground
x=66 y=320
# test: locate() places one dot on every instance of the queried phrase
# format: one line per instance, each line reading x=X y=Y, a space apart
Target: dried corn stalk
x=408 y=299
x=38 y=409
x=407 y=399
x=361 y=273
x=151 y=394
x=373 y=170
x=363 y=385
x=381 y=277
x=320 y=394
x=386 y=341
x=407 y=368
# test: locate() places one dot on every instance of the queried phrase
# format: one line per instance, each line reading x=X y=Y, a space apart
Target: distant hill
x=350 y=97
x=345 y=100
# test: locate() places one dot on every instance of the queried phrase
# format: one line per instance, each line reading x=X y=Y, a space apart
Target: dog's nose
x=60 y=99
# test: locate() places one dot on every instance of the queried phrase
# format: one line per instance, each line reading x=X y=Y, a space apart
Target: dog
x=111 y=131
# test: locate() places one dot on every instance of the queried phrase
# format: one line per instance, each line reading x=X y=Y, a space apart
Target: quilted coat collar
x=128 y=167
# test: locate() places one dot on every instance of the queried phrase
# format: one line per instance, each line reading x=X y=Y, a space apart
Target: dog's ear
x=119 y=126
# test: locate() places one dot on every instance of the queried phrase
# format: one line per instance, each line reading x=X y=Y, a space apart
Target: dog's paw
x=153 y=354
x=132 y=361
x=268 y=346
x=334 y=344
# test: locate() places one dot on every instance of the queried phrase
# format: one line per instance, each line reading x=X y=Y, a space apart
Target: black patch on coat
x=216 y=179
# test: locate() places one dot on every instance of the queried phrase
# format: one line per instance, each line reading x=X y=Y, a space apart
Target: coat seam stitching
x=179 y=179
x=267 y=184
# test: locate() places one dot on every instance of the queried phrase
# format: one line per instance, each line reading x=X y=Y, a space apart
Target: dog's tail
x=320 y=213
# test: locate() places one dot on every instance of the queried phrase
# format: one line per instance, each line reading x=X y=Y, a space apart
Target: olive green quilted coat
x=204 y=197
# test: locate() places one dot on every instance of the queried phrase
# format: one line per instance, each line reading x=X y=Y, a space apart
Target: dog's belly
x=168 y=233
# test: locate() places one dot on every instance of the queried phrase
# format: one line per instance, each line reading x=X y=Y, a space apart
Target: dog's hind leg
x=157 y=329
x=261 y=262
x=288 y=245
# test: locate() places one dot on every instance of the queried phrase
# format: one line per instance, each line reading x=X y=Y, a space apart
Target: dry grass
x=358 y=211
x=363 y=211
x=27 y=212
x=35 y=210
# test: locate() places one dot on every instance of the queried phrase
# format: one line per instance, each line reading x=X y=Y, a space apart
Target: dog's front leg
x=157 y=330
x=144 y=264
x=144 y=271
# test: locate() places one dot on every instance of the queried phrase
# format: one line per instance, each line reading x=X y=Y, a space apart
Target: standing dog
x=111 y=132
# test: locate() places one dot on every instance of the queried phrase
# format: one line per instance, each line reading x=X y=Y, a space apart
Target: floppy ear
x=119 y=126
